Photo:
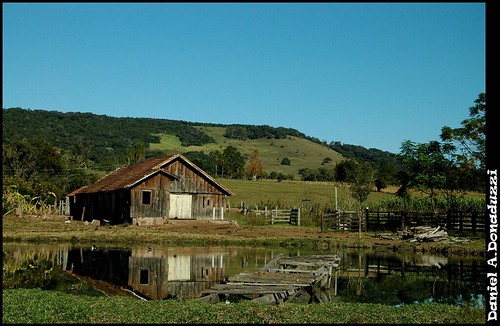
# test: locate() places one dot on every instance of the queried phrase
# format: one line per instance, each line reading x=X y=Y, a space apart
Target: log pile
x=429 y=234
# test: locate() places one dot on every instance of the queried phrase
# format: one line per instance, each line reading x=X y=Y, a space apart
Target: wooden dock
x=281 y=280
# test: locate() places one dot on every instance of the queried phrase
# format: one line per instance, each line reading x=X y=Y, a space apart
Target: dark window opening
x=144 y=277
x=146 y=197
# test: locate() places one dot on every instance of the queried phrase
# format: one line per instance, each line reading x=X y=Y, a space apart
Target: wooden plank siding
x=205 y=195
x=159 y=205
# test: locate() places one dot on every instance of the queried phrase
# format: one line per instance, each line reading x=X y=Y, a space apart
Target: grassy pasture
x=288 y=194
x=302 y=153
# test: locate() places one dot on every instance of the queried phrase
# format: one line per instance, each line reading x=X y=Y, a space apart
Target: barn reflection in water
x=153 y=274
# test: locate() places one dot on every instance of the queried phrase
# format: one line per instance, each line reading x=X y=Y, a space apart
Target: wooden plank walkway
x=281 y=280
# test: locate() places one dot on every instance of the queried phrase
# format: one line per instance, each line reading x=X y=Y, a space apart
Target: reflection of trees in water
x=394 y=279
x=410 y=286
x=32 y=267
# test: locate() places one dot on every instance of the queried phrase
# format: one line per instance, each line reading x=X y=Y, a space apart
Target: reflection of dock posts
x=336 y=278
x=267 y=267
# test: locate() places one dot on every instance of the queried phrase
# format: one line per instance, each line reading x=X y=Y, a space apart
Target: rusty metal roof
x=128 y=176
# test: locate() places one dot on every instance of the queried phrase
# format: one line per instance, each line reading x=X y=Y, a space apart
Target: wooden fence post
x=474 y=221
x=366 y=219
x=461 y=221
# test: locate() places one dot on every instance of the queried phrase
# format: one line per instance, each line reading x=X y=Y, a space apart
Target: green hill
x=301 y=152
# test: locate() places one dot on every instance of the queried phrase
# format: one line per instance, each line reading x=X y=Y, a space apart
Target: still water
x=159 y=273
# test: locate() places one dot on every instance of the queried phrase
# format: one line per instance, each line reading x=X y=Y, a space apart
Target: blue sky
x=368 y=74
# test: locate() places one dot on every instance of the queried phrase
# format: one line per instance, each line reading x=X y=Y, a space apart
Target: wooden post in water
x=335 y=281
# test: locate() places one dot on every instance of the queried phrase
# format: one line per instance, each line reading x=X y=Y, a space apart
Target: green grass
x=28 y=306
x=292 y=194
x=302 y=153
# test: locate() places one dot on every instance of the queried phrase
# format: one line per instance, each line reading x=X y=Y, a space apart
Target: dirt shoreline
x=57 y=229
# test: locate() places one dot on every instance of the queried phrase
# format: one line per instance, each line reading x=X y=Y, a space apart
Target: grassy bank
x=27 y=306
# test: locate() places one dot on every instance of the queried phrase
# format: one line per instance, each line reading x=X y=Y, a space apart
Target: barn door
x=180 y=206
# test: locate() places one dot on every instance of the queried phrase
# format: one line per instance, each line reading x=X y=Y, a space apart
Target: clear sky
x=368 y=74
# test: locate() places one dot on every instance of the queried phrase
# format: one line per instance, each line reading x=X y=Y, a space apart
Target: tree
x=255 y=167
x=80 y=152
x=285 y=161
x=32 y=159
x=134 y=154
x=218 y=161
x=36 y=169
x=326 y=174
x=380 y=184
x=344 y=170
x=236 y=132
x=385 y=175
x=233 y=162
x=326 y=160
x=18 y=158
x=471 y=136
x=430 y=169
x=361 y=185
x=308 y=174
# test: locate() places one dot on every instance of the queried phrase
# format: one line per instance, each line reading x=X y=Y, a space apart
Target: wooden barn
x=151 y=192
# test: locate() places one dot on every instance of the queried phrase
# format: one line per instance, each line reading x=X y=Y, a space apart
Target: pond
x=160 y=273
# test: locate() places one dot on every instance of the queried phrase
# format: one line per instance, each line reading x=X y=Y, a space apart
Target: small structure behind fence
x=458 y=221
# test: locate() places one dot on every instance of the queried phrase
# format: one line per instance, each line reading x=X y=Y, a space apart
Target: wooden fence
x=291 y=216
x=458 y=221
x=341 y=220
